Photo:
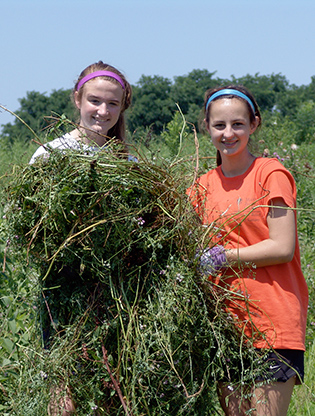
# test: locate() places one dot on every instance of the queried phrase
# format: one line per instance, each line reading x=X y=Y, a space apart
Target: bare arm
x=278 y=248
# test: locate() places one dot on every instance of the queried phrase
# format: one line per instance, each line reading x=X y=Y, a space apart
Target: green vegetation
x=140 y=329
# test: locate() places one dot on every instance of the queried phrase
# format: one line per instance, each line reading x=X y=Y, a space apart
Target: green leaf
x=7 y=344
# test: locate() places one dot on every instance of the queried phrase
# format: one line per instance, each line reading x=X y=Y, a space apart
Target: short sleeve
x=280 y=184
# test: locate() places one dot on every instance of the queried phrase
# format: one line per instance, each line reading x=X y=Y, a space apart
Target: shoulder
x=211 y=174
x=267 y=165
x=277 y=180
x=64 y=142
x=271 y=168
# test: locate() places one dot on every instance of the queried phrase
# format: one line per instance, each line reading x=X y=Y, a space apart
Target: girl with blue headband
x=255 y=254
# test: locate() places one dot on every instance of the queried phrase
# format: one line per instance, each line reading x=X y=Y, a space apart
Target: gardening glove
x=212 y=260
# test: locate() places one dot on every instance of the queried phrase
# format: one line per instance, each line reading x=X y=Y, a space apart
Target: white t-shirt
x=63 y=142
x=67 y=142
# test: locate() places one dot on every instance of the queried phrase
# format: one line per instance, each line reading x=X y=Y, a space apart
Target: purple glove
x=212 y=260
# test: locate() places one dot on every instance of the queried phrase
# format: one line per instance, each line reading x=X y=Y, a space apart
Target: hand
x=212 y=260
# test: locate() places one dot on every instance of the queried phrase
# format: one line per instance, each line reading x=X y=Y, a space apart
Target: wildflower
x=179 y=277
x=266 y=152
x=294 y=146
x=140 y=221
x=43 y=375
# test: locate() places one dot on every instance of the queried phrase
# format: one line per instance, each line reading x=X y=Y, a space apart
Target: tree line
x=156 y=99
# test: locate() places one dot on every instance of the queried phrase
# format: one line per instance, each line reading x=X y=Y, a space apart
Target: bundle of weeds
x=126 y=320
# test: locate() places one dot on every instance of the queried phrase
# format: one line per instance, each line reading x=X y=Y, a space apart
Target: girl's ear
x=207 y=125
x=77 y=100
x=254 y=125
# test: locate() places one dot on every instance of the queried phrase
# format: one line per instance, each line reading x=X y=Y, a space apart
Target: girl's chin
x=229 y=149
x=99 y=129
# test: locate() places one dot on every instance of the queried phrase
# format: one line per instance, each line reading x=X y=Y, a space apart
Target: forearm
x=264 y=253
x=277 y=249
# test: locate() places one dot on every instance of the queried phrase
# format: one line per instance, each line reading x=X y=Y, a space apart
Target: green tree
x=309 y=90
x=35 y=110
x=188 y=91
x=155 y=101
x=305 y=121
x=265 y=88
x=288 y=101
x=152 y=105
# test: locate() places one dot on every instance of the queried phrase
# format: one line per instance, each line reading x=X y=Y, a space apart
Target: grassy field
x=22 y=379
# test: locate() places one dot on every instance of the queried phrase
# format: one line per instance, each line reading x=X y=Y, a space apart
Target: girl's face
x=100 y=107
x=230 y=126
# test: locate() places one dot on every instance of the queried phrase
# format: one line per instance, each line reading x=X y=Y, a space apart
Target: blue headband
x=230 y=92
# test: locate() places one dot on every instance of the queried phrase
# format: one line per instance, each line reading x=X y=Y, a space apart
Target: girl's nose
x=228 y=132
x=103 y=109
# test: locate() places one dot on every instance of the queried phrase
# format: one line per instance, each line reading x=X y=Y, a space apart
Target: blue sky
x=45 y=44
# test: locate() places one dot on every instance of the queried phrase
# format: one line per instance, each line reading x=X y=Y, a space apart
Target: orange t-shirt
x=236 y=208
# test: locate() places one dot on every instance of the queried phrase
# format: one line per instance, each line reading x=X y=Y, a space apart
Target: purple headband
x=100 y=74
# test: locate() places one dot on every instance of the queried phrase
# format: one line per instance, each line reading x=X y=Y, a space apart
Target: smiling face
x=230 y=127
x=100 y=106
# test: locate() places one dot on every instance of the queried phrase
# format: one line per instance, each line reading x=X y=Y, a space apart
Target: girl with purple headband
x=101 y=94
x=251 y=201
